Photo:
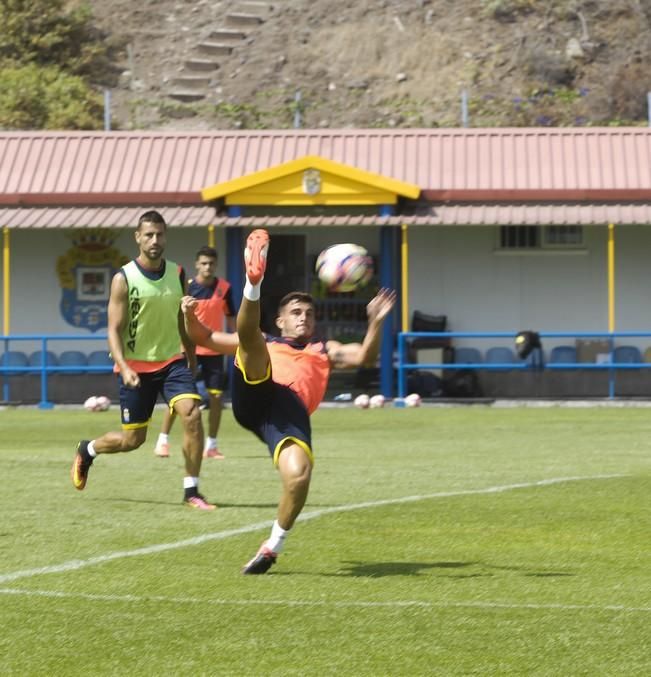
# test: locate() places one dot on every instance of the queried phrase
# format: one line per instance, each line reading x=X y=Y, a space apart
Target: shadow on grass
x=220 y=504
x=448 y=569
x=380 y=569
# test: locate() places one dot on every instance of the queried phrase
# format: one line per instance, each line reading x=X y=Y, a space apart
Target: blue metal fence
x=445 y=338
x=45 y=369
x=403 y=363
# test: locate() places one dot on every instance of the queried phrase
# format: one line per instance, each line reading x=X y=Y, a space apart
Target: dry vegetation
x=390 y=63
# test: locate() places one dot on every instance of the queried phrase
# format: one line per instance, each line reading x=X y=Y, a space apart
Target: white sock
x=252 y=291
x=163 y=438
x=190 y=482
x=211 y=442
x=91 y=449
x=277 y=539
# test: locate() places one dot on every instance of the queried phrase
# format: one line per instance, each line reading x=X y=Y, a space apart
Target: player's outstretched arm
x=201 y=335
x=365 y=354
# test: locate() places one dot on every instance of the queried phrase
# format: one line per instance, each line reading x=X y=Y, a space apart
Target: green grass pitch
x=435 y=541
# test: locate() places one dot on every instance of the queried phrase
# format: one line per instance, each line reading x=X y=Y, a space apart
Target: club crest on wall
x=311 y=181
x=85 y=272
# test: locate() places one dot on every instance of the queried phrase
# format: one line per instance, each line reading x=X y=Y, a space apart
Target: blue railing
x=445 y=338
x=44 y=369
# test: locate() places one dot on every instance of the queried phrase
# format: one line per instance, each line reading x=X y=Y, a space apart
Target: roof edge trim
x=104 y=199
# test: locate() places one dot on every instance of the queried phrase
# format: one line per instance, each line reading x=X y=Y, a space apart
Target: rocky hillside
x=229 y=64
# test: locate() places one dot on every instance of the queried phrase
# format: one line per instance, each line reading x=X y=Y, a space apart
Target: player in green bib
x=145 y=334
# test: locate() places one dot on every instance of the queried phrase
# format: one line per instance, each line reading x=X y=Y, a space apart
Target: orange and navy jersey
x=215 y=303
x=303 y=367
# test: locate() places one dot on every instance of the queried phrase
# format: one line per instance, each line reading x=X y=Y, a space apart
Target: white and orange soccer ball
x=362 y=401
x=344 y=267
x=97 y=403
x=413 y=400
x=376 y=402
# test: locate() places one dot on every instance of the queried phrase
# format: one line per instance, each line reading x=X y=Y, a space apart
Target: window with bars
x=540 y=237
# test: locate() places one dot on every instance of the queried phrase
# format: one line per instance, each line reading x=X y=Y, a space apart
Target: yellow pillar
x=404 y=255
x=611 y=277
x=5 y=280
x=211 y=236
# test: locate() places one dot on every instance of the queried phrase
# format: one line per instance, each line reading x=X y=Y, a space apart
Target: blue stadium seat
x=35 y=358
x=72 y=358
x=99 y=358
x=14 y=358
x=467 y=356
x=627 y=354
x=536 y=358
x=562 y=354
x=500 y=355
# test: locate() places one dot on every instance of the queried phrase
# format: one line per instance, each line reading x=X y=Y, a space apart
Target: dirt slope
x=386 y=63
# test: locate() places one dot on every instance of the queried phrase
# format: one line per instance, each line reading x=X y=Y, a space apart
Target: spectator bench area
x=587 y=366
x=578 y=365
x=67 y=377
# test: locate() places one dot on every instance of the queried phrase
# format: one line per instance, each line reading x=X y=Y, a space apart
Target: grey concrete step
x=226 y=35
x=214 y=48
x=241 y=19
x=186 y=96
x=191 y=82
x=200 y=65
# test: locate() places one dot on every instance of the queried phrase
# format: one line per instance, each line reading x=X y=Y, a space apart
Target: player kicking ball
x=279 y=382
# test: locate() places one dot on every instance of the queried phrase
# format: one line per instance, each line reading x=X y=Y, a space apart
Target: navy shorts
x=272 y=412
x=173 y=382
x=211 y=372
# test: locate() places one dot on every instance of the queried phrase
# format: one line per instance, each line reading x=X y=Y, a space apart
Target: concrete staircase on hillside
x=201 y=69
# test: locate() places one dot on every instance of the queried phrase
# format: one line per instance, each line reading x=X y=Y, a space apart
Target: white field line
x=396 y=604
x=74 y=564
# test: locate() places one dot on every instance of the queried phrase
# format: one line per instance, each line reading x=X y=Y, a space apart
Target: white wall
x=35 y=291
x=454 y=271
x=458 y=272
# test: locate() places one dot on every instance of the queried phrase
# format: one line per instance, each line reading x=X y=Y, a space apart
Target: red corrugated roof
x=128 y=169
x=101 y=217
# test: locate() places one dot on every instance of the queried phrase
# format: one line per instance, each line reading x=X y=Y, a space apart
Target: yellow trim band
x=303 y=445
x=183 y=396
x=266 y=377
x=214 y=391
x=135 y=426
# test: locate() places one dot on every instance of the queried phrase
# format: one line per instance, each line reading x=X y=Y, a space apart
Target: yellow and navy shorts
x=211 y=372
x=273 y=412
x=173 y=382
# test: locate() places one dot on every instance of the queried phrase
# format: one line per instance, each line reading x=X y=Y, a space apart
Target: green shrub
x=45 y=32
x=32 y=97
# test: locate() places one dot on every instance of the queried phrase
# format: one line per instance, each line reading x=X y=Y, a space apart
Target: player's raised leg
x=252 y=352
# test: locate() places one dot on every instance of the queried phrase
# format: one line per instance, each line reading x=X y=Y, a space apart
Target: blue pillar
x=234 y=274
x=388 y=278
x=234 y=254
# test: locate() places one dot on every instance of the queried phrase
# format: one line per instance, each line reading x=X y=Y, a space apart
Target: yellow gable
x=311 y=180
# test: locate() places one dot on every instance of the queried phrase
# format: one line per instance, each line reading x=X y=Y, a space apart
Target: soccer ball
x=413 y=400
x=376 y=402
x=97 y=403
x=344 y=267
x=362 y=401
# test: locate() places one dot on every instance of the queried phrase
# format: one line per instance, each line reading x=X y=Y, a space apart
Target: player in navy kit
x=214 y=309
